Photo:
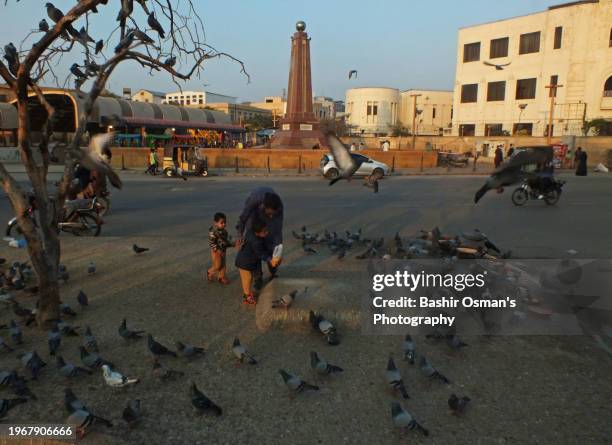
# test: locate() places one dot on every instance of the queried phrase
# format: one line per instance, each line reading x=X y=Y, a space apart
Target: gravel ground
x=524 y=389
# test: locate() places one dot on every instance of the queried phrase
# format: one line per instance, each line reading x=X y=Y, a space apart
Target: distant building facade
x=568 y=45
x=324 y=107
x=197 y=99
x=372 y=110
x=239 y=113
x=434 y=111
x=149 y=96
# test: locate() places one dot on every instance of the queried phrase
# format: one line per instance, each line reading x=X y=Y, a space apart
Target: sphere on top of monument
x=301 y=25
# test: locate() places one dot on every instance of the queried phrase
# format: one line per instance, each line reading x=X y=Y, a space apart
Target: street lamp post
x=414 y=115
x=552 y=92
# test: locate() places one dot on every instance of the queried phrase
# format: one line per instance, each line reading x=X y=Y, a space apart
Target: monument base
x=300 y=136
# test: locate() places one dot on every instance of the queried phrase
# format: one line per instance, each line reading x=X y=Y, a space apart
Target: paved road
x=161 y=207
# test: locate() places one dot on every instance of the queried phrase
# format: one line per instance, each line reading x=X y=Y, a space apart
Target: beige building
x=197 y=99
x=372 y=110
x=434 y=111
x=149 y=96
x=504 y=67
x=239 y=113
x=276 y=104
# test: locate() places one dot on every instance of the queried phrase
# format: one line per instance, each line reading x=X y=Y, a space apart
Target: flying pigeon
x=498 y=67
x=430 y=371
x=116 y=379
x=319 y=323
x=347 y=165
x=94 y=159
x=132 y=413
x=202 y=403
x=128 y=334
x=394 y=379
x=351 y=72
x=408 y=348
x=187 y=350
x=155 y=25
x=296 y=384
x=458 y=404
x=320 y=366
x=241 y=353
x=157 y=349
x=139 y=250
x=70 y=369
x=404 y=420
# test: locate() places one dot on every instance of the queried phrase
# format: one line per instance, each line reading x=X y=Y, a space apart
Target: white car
x=329 y=169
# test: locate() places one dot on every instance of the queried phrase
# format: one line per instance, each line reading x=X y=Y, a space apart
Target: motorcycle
x=78 y=220
x=526 y=192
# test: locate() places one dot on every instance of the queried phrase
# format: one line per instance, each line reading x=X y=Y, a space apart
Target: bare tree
x=174 y=44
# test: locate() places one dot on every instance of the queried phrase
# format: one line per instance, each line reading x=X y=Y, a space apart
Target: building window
x=526 y=88
x=610 y=38
x=494 y=130
x=471 y=52
x=469 y=93
x=433 y=113
x=558 y=37
x=496 y=91
x=467 y=129
x=200 y=101
x=451 y=113
x=375 y=109
x=552 y=129
x=608 y=87
x=187 y=102
x=499 y=48
x=554 y=80
x=522 y=129
x=530 y=43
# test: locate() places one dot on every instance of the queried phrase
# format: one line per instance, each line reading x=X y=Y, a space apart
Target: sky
x=395 y=43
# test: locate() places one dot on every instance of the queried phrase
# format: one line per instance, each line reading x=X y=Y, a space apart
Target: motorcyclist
x=543 y=180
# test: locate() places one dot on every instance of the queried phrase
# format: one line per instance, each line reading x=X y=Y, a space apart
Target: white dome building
x=370 y=110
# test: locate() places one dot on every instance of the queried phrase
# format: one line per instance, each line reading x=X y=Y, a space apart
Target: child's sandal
x=249 y=299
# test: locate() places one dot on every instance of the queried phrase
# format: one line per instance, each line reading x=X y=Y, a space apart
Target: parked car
x=368 y=166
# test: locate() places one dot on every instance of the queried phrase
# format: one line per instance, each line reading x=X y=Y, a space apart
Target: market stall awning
x=164 y=123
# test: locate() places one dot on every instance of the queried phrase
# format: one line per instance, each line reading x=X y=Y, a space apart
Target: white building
x=434 y=111
x=198 y=98
x=371 y=110
x=568 y=45
x=149 y=96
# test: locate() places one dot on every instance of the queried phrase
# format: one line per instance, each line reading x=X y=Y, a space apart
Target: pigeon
x=83 y=37
x=74 y=69
x=430 y=371
x=10 y=54
x=89 y=341
x=498 y=67
x=319 y=323
x=156 y=349
x=82 y=299
x=241 y=353
x=67 y=330
x=404 y=420
x=142 y=36
x=8 y=404
x=54 y=338
x=347 y=164
x=91 y=67
x=296 y=384
x=372 y=180
x=128 y=334
x=92 y=360
x=17 y=384
x=71 y=402
x=56 y=15
x=189 y=351
x=162 y=372
x=4 y=347
x=116 y=379
x=351 y=72
x=70 y=369
x=139 y=250
x=458 y=404
x=132 y=413
x=307 y=249
x=43 y=26
x=286 y=300
x=62 y=273
x=203 y=403
x=99 y=46
x=7 y=377
x=127 y=7
x=155 y=25
x=16 y=334
x=95 y=160
x=83 y=420
x=454 y=342
x=91 y=268
x=67 y=310
x=32 y=362
x=320 y=366
x=408 y=348
x=125 y=42
x=170 y=61
x=394 y=379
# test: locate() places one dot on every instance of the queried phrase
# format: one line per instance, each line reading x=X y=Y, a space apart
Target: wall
x=583 y=63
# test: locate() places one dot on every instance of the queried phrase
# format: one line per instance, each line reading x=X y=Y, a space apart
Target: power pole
x=552 y=93
x=414 y=114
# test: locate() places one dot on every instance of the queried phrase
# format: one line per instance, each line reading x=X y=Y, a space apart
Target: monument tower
x=299 y=127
